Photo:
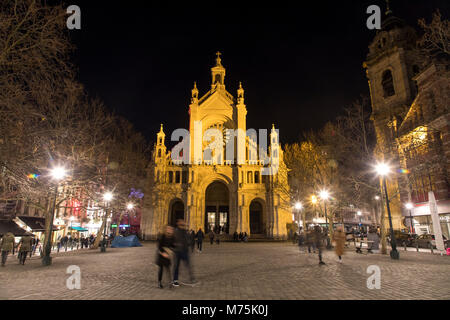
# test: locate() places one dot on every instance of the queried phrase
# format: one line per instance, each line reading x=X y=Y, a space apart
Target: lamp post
x=108 y=196
x=298 y=208
x=383 y=169
x=359 y=213
x=410 y=206
x=57 y=174
x=324 y=195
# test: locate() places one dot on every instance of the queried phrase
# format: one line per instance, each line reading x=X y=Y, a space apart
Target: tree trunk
x=118 y=224
x=100 y=233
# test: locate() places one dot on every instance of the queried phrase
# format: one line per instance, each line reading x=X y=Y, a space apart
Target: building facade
x=411 y=117
x=223 y=180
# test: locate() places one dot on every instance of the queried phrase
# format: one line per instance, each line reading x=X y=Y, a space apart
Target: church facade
x=224 y=179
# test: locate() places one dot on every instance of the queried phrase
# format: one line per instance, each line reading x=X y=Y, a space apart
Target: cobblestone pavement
x=231 y=271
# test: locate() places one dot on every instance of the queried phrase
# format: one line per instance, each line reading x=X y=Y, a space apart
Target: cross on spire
x=218 y=58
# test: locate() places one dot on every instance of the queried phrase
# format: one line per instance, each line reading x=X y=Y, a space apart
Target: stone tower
x=390 y=69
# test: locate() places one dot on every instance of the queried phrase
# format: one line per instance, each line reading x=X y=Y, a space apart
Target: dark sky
x=299 y=65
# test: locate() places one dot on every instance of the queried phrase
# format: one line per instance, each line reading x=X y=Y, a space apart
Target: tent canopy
x=122 y=242
x=10 y=226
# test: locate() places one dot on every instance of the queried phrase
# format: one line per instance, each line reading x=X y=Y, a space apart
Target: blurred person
x=211 y=236
x=339 y=242
x=181 y=251
x=25 y=247
x=373 y=235
x=317 y=238
x=165 y=245
x=6 y=246
x=200 y=236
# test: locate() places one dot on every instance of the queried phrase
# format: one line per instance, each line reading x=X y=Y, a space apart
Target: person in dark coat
x=211 y=236
x=200 y=236
x=165 y=245
x=6 y=246
x=192 y=238
x=25 y=247
x=317 y=238
x=181 y=251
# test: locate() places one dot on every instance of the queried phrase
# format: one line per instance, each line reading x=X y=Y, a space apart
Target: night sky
x=299 y=65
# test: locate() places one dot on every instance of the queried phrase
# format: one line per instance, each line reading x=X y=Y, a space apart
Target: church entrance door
x=217 y=208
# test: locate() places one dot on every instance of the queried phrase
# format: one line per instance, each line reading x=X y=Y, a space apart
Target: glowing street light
x=324 y=195
x=377 y=197
x=410 y=206
x=383 y=170
x=108 y=196
x=58 y=174
x=298 y=206
x=313 y=199
x=130 y=206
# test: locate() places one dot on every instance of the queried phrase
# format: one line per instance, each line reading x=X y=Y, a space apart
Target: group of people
x=173 y=246
x=26 y=246
x=240 y=237
x=316 y=238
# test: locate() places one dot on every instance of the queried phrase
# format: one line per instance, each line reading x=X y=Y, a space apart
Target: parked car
x=428 y=241
x=403 y=238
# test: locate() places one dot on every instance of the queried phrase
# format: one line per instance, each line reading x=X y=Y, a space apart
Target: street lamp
x=324 y=195
x=410 y=206
x=359 y=213
x=108 y=196
x=57 y=174
x=383 y=170
x=298 y=207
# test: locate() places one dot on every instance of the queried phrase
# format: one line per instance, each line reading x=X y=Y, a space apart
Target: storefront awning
x=36 y=224
x=10 y=226
x=79 y=229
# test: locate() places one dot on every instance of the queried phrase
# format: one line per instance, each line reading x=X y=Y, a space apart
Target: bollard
x=417 y=246
x=431 y=248
x=404 y=244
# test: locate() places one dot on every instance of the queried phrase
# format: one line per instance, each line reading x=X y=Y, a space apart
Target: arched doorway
x=217 y=208
x=176 y=212
x=256 y=217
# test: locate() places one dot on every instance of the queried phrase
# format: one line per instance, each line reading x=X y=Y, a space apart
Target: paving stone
x=230 y=271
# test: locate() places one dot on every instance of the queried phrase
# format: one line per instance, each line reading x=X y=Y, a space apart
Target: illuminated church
x=231 y=184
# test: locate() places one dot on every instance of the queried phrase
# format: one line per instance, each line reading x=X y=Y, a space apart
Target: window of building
x=159 y=153
x=177 y=176
x=388 y=84
x=256 y=177
x=184 y=177
x=249 y=177
x=170 y=176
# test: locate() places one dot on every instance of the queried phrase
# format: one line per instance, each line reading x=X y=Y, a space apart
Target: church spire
x=194 y=93
x=388 y=9
x=240 y=94
x=218 y=74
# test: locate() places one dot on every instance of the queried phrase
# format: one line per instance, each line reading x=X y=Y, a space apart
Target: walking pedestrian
x=25 y=247
x=211 y=236
x=301 y=239
x=200 y=236
x=6 y=245
x=181 y=251
x=317 y=238
x=339 y=242
x=164 y=252
x=217 y=236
